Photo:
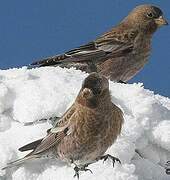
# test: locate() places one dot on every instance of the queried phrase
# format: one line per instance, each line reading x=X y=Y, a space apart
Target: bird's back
x=127 y=64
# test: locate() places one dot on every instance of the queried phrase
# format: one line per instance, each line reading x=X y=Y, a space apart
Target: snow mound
x=27 y=95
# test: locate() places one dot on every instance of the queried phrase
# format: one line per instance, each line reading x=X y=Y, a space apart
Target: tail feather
x=49 y=61
x=19 y=161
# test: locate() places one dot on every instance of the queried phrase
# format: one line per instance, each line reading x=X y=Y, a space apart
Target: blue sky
x=31 y=30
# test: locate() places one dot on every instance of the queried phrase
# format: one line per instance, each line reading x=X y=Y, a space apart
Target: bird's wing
x=44 y=144
x=102 y=47
x=60 y=126
x=30 y=146
x=81 y=54
x=50 y=140
x=118 y=115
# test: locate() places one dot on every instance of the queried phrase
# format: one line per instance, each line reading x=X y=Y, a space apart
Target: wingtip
x=21 y=149
x=4 y=168
x=30 y=146
x=9 y=165
x=34 y=65
x=29 y=66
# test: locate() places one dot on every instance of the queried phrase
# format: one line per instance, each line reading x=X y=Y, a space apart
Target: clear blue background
x=30 y=30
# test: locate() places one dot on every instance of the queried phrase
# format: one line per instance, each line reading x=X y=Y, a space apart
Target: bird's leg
x=105 y=157
x=82 y=168
x=120 y=81
x=76 y=169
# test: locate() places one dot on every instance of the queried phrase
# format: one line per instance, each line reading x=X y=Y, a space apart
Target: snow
x=27 y=95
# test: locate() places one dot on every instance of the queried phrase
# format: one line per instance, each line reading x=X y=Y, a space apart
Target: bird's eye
x=150 y=15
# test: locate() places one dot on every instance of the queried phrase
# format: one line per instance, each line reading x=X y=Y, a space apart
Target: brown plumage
x=120 y=53
x=85 y=131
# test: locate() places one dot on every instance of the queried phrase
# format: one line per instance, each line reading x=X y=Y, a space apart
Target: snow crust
x=27 y=95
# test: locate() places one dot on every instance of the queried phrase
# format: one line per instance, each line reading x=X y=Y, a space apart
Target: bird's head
x=94 y=88
x=146 y=17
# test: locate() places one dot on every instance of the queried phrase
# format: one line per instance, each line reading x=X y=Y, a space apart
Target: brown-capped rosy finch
x=120 y=53
x=84 y=132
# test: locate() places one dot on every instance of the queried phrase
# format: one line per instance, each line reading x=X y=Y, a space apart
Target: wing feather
x=49 y=141
x=61 y=129
x=104 y=47
x=30 y=146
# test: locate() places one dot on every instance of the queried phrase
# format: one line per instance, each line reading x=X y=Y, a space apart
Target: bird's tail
x=50 y=61
x=19 y=161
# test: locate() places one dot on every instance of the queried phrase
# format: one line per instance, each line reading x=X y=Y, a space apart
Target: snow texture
x=27 y=95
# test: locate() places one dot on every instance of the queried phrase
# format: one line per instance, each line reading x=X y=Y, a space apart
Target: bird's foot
x=167 y=167
x=120 y=81
x=114 y=159
x=82 y=168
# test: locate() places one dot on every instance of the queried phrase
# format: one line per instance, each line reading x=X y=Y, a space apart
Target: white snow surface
x=27 y=95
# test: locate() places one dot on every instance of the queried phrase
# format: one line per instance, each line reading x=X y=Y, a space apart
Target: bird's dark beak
x=161 y=21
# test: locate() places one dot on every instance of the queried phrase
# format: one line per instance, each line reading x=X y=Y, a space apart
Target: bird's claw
x=83 y=168
x=167 y=167
x=114 y=159
x=76 y=169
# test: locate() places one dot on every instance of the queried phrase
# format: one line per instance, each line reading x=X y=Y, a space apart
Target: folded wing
x=100 y=49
